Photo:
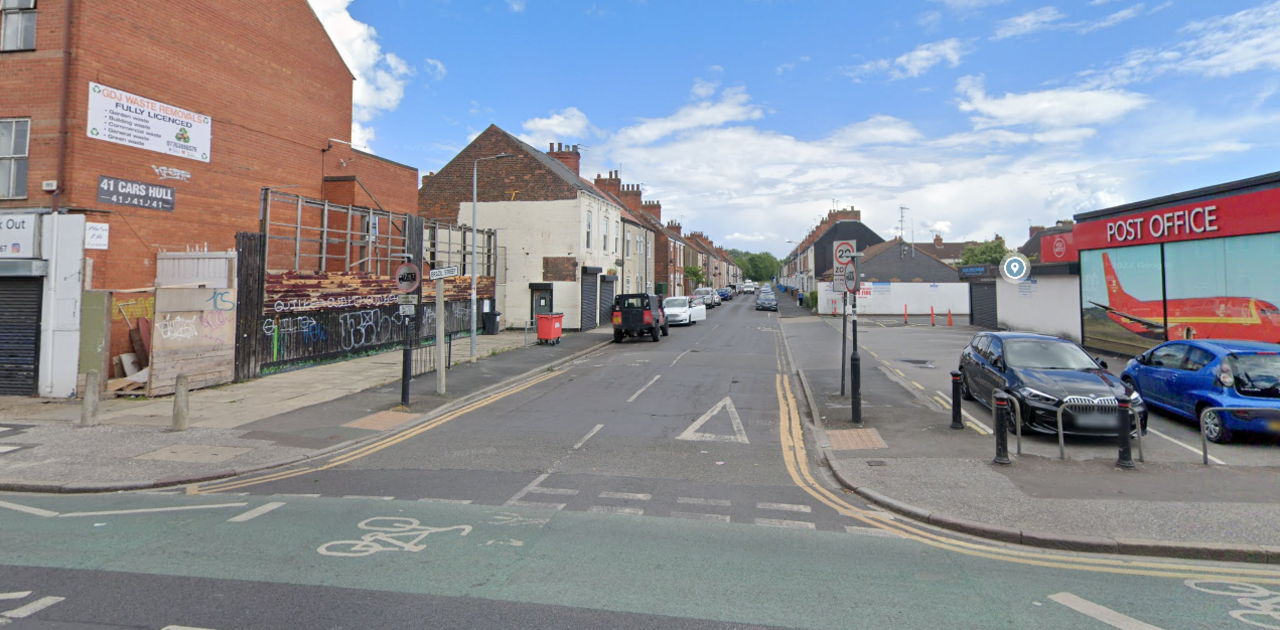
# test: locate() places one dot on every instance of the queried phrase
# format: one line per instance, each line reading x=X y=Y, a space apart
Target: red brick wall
x=497 y=180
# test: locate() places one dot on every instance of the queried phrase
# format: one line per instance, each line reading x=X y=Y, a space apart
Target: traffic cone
x=949 y=317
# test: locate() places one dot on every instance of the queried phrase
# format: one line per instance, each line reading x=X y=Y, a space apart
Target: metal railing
x=1099 y=406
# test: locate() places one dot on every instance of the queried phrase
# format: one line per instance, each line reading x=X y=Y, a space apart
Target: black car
x=1041 y=373
x=766 y=301
x=638 y=315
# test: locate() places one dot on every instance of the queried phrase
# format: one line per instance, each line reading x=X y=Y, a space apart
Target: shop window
x=17 y=24
x=14 y=136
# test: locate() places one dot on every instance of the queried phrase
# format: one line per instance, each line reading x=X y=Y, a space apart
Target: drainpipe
x=62 y=106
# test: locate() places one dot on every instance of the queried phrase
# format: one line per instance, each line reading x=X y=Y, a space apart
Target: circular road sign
x=1015 y=268
x=408 y=277
x=851 y=278
x=844 y=254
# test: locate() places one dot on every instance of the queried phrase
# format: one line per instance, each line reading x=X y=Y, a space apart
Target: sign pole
x=441 y=358
x=844 y=340
x=408 y=279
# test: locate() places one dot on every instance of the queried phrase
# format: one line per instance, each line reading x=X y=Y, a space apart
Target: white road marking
x=587 y=437
x=977 y=422
x=1187 y=446
x=6 y=449
x=631 y=496
x=32 y=608
x=871 y=531
x=1101 y=613
x=697 y=501
x=296 y=495
x=515 y=501
x=651 y=382
x=715 y=327
x=184 y=628
x=462 y=501
x=723 y=518
x=564 y=491
x=778 y=522
x=149 y=510
x=365 y=496
x=673 y=363
x=739 y=433
x=537 y=505
x=256 y=512
x=788 y=507
x=27 y=510
x=609 y=509
x=15 y=595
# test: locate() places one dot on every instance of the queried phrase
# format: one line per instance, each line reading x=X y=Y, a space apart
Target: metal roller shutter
x=982 y=305
x=589 y=309
x=606 y=300
x=19 y=335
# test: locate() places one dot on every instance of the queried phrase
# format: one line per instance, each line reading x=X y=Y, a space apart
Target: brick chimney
x=937 y=241
x=425 y=177
x=568 y=155
x=653 y=209
x=1035 y=229
x=674 y=227
x=611 y=184
x=630 y=196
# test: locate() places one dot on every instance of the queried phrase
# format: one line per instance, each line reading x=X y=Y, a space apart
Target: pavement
x=906 y=458
x=243 y=427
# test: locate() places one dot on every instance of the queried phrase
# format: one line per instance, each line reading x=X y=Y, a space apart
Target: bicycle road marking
x=384 y=535
x=1258 y=601
x=1101 y=613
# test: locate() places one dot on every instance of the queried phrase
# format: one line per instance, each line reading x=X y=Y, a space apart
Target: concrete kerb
x=1220 y=552
x=85 y=488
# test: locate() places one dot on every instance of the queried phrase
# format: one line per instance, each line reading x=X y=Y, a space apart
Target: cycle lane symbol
x=1262 y=606
x=387 y=533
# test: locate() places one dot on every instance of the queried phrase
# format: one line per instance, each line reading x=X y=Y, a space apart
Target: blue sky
x=748 y=118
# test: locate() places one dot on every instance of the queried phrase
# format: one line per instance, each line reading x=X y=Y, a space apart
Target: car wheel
x=617 y=336
x=1215 y=428
x=653 y=333
x=666 y=330
x=965 y=393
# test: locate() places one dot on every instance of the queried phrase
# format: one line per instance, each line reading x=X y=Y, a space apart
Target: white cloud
x=380 y=76
x=929 y=20
x=435 y=68
x=703 y=89
x=1123 y=15
x=789 y=66
x=564 y=124
x=478 y=109
x=516 y=5
x=876 y=130
x=914 y=63
x=970 y=4
x=1048 y=109
x=1095 y=3
x=734 y=106
x=757 y=236
x=1029 y=22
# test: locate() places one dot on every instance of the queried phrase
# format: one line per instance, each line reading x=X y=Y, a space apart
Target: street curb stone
x=1199 y=551
x=985 y=530
x=15 y=485
x=1065 y=542
x=895 y=505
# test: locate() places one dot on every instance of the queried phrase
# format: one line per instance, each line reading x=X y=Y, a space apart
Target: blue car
x=1189 y=378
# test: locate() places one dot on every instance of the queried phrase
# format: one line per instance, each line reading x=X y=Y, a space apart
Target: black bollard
x=1122 y=416
x=1002 y=429
x=955 y=401
x=855 y=385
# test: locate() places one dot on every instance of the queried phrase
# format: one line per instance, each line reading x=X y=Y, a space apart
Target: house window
x=13 y=157
x=648 y=247
x=604 y=243
x=588 y=229
x=627 y=246
x=617 y=235
x=17 y=24
x=628 y=285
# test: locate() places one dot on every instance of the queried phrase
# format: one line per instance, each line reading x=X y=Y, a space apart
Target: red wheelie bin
x=549 y=328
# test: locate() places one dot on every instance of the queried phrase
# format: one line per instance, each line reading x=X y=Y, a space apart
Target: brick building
x=812 y=257
x=159 y=124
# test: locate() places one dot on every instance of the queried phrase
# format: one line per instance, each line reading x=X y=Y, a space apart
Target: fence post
x=955 y=401
x=1002 y=429
x=1125 y=460
x=181 y=407
x=89 y=409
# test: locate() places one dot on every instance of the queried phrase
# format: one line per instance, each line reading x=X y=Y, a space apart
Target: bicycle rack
x=1204 y=440
x=1088 y=404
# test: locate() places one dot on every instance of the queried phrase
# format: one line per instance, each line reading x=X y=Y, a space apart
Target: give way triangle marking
x=739 y=434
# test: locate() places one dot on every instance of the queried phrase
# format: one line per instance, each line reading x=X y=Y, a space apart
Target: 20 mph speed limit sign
x=844 y=258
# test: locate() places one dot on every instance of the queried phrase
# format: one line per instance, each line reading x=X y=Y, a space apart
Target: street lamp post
x=474 y=169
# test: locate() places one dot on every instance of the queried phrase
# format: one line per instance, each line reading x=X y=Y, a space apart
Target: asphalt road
x=667 y=484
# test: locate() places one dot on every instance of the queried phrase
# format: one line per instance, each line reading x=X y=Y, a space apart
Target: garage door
x=589 y=308
x=606 y=300
x=982 y=305
x=19 y=335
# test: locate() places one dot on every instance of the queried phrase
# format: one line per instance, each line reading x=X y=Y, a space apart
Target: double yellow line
x=368 y=449
x=796 y=460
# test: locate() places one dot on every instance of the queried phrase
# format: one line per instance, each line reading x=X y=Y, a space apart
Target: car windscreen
x=637 y=301
x=703 y=291
x=1257 y=374
x=1046 y=354
x=676 y=303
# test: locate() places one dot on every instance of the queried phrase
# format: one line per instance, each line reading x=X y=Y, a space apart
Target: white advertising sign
x=18 y=235
x=123 y=118
x=96 y=235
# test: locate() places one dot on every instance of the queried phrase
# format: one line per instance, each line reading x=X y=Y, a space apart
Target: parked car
x=1042 y=373
x=726 y=293
x=1190 y=378
x=682 y=310
x=766 y=302
x=638 y=315
x=748 y=287
x=712 y=297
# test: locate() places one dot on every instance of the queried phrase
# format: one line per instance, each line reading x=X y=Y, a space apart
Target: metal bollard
x=855 y=385
x=955 y=401
x=1002 y=429
x=180 y=405
x=89 y=408
x=1126 y=449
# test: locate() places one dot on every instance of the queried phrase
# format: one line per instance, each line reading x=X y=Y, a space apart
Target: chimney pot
x=551 y=147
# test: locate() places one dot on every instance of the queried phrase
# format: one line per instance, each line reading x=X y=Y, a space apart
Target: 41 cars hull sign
x=123 y=192
x=123 y=118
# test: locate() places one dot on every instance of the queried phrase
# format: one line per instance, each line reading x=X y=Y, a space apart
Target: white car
x=749 y=287
x=710 y=295
x=684 y=310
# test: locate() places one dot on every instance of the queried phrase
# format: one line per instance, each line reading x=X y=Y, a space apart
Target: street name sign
x=444 y=272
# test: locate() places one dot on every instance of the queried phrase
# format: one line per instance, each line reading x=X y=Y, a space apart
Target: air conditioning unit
x=49 y=185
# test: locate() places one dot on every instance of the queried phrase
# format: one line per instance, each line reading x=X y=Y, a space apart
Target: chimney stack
x=568 y=156
x=937 y=240
x=1034 y=229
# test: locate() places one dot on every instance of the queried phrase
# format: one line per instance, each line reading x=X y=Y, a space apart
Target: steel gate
x=19 y=335
x=589 y=310
x=982 y=305
x=606 y=299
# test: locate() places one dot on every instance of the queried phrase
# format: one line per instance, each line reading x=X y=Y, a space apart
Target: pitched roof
x=951 y=249
x=558 y=167
x=880 y=248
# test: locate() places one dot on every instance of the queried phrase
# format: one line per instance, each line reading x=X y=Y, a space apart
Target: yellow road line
x=942 y=402
x=973 y=425
x=900 y=373
x=371 y=448
x=793 y=447
x=918 y=385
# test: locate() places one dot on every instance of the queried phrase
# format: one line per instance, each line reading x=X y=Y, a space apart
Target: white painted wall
x=62 y=244
x=917 y=296
x=1049 y=305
